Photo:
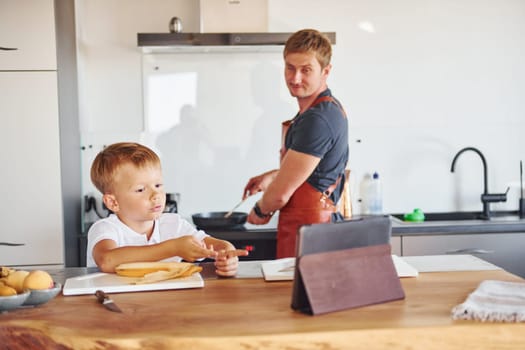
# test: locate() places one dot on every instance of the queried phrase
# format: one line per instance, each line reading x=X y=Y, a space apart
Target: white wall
x=420 y=80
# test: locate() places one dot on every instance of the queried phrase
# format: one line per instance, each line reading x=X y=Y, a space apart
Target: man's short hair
x=310 y=40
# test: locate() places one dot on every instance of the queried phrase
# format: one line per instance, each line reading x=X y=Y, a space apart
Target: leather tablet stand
x=349 y=278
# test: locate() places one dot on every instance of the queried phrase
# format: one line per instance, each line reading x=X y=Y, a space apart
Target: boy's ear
x=111 y=202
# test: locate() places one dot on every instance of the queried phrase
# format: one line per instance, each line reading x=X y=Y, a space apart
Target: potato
x=38 y=279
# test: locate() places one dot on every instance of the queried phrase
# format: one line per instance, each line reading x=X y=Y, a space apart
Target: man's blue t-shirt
x=322 y=131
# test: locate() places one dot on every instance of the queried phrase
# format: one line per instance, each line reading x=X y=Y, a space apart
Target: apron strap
x=328 y=99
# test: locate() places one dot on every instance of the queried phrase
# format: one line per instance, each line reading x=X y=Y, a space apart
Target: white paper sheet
x=283 y=269
x=452 y=262
x=279 y=270
x=403 y=268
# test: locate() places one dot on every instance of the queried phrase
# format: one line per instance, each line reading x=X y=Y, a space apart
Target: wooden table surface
x=254 y=314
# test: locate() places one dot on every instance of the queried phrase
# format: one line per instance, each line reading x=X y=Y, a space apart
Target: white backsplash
x=419 y=83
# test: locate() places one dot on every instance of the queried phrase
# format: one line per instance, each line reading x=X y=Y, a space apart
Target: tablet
x=318 y=238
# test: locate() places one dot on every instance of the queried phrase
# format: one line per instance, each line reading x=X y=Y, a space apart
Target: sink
x=464 y=216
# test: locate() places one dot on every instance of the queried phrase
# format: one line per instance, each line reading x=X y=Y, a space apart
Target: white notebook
x=112 y=283
x=283 y=269
x=403 y=268
x=449 y=262
x=279 y=270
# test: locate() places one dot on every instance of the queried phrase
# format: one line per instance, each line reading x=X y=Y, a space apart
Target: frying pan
x=216 y=219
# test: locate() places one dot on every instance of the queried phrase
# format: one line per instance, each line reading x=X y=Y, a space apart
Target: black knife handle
x=101 y=296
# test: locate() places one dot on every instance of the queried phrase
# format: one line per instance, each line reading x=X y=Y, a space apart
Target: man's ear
x=111 y=202
x=327 y=69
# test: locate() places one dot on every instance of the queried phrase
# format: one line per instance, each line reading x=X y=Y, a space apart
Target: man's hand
x=259 y=183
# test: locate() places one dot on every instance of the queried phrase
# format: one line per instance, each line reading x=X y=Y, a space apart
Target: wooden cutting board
x=112 y=283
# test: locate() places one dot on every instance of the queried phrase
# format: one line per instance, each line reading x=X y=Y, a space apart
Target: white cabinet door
x=395 y=243
x=29 y=27
x=31 y=205
x=506 y=250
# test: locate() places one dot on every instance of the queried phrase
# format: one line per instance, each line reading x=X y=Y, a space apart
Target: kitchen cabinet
x=505 y=250
x=395 y=244
x=31 y=208
x=28 y=27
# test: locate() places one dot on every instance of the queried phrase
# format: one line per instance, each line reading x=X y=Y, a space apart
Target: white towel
x=493 y=301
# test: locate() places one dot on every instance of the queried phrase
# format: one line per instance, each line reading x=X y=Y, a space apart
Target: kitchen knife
x=105 y=300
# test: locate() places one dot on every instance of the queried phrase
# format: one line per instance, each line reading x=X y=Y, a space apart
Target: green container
x=415 y=216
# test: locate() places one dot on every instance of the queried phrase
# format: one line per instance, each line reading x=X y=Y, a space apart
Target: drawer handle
x=11 y=244
x=470 y=251
x=8 y=48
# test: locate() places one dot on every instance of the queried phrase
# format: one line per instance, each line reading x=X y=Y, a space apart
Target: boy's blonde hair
x=108 y=161
x=310 y=40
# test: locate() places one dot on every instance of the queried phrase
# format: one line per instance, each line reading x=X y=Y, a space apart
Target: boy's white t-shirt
x=168 y=226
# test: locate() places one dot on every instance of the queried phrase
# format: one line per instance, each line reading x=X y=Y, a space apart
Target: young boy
x=129 y=176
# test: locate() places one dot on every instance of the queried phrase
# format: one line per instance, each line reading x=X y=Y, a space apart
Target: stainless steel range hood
x=225 y=25
x=172 y=42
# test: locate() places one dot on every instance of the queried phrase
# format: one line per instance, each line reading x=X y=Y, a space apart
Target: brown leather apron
x=306 y=206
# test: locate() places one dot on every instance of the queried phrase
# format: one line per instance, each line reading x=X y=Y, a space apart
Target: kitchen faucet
x=486 y=197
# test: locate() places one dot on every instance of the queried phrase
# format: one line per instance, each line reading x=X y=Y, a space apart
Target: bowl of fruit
x=25 y=288
x=11 y=301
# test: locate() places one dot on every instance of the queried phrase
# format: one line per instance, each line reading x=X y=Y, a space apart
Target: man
x=314 y=150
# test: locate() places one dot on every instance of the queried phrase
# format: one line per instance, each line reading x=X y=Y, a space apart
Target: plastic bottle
x=172 y=203
x=372 y=195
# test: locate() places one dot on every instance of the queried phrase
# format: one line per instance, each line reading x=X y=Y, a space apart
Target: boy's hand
x=227 y=261
x=190 y=249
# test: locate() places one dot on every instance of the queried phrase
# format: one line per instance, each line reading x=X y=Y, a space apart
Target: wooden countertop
x=254 y=314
